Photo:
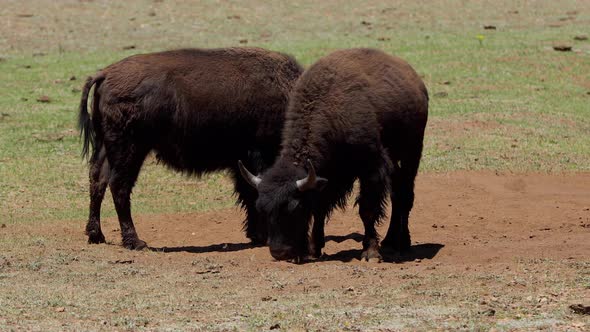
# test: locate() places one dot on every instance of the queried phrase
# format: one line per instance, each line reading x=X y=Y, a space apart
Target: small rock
x=3 y=226
x=44 y=99
x=129 y=47
x=417 y=260
x=489 y=27
x=266 y=298
x=562 y=48
x=152 y=13
x=434 y=226
x=234 y=17
x=25 y=15
x=383 y=38
x=581 y=37
x=72 y=78
x=118 y=261
x=60 y=309
x=243 y=41
x=350 y=289
x=488 y=312
x=276 y=326
x=446 y=82
x=76 y=90
x=580 y=309
x=366 y=23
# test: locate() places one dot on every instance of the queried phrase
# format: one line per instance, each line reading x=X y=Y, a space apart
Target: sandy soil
x=511 y=247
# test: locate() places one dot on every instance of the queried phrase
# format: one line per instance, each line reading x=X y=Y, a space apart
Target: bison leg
x=318 y=240
x=126 y=161
x=402 y=200
x=99 y=179
x=371 y=201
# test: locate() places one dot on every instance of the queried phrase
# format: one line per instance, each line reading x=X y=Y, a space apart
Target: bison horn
x=253 y=180
x=309 y=182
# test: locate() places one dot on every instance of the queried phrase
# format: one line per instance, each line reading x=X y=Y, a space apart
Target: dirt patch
x=491 y=250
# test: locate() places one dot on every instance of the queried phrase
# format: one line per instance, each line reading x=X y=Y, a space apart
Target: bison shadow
x=229 y=247
x=222 y=247
x=418 y=251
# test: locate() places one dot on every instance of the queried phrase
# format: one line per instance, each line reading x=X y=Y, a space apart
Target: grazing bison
x=357 y=113
x=199 y=110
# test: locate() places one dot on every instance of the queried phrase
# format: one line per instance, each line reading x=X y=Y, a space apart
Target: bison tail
x=87 y=133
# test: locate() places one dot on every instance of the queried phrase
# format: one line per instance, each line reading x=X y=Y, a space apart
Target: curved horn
x=253 y=180
x=309 y=181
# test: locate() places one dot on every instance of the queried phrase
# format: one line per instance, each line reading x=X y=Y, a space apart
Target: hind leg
x=126 y=159
x=99 y=179
x=402 y=201
x=373 y=192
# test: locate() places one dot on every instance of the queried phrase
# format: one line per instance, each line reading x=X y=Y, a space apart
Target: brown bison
x=199 y=110
x=355 y=114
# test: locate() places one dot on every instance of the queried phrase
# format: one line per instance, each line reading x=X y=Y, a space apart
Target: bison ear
x=321 y=183
x=253 y=180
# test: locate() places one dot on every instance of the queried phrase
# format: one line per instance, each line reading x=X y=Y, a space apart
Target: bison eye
x=293 y=204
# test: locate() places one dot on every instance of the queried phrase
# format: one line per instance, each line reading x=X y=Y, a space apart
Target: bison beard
x=355 y=114
x=199 y=110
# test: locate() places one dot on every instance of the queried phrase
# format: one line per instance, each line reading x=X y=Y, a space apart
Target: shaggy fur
x=355 y=114
x=199 y=110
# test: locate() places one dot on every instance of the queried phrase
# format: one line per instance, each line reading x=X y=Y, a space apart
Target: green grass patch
x=505 y=101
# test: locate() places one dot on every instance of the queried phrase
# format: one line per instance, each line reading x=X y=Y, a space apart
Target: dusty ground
x=490 y=250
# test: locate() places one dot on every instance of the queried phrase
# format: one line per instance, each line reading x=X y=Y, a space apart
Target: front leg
x=255 y=228
x=318 y=240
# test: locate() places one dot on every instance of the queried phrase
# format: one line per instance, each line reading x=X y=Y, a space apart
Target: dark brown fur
x=355 y=114
x=199 y=110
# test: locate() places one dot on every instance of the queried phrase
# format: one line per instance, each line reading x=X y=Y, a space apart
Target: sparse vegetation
x=509 y=103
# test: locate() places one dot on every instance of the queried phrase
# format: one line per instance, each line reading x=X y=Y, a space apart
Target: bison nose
x=282 y=253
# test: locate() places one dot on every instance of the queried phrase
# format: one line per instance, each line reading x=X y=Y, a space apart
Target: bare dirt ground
x=490 y=250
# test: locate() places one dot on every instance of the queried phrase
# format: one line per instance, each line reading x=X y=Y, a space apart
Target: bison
x=355 y=114
x=199 y=110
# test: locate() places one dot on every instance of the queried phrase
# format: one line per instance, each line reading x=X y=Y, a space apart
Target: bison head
x=286 y=196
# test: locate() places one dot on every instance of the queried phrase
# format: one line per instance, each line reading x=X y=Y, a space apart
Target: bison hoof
x=317 y=254
x=134 y=244
x=371 y=255
x=391 y=246
x=96 y=238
